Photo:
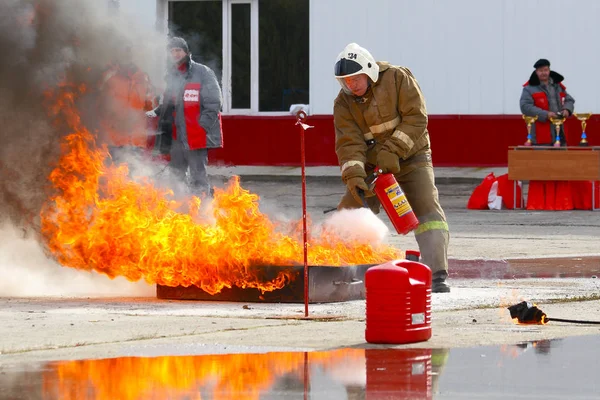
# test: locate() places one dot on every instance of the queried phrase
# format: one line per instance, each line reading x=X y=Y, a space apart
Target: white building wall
x=144 y=11
x=469 y=56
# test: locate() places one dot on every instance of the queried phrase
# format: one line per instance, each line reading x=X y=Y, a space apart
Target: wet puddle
x=559 y=267
x=545 y=369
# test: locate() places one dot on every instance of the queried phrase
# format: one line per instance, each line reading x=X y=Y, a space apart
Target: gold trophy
x=529 y=121
x=557 y=122
x=583 y=117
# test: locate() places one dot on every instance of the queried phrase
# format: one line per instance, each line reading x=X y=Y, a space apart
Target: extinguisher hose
x=361 y=194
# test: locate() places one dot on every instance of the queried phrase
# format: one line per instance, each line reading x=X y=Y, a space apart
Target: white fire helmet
x=354 y=60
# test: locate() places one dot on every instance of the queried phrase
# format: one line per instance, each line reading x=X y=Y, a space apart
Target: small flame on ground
x=506 y=302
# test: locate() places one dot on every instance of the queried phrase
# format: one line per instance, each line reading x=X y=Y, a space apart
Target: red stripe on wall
x=456 y=140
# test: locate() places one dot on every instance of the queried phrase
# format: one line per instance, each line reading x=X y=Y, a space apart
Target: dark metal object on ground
x=528 y=313
x=325 y=285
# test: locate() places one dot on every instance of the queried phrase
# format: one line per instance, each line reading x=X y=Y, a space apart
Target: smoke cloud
x=27 y=272
x=42 y=43
x=358 y=225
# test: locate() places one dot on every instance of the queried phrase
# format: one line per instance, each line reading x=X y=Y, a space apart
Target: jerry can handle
x=416 y=270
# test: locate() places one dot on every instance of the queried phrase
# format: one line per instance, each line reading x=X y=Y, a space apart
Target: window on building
x=283 y=54
x=241 y=69
x=259 y=49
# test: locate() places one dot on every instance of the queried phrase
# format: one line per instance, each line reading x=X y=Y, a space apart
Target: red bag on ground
x=479 y=197
x=506 y=191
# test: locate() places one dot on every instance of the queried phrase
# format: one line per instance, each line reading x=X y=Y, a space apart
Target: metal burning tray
x=326 y=284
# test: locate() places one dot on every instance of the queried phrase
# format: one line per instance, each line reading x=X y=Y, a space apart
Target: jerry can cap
x=413 y=255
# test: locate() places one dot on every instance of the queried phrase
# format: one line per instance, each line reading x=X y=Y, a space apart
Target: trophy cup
x=557 y=122
x=529 y=121
x=583 y=117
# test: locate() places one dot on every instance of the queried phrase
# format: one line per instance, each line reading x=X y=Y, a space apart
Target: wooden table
x=547 y=163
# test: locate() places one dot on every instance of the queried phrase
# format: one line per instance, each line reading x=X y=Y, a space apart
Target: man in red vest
x=545 y=96
x=191 y=104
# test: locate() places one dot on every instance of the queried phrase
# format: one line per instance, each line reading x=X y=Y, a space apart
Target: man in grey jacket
x=189 y=117
x=545 y=96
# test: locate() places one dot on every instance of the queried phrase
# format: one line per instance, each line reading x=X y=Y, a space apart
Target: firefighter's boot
x=439 y=284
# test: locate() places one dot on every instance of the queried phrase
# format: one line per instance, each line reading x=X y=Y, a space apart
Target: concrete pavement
x=39 y=329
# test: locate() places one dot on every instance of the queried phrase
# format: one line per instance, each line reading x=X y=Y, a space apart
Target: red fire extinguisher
x=394 y=202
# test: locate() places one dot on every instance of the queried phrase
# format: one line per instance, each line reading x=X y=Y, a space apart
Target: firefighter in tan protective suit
x=381 y=120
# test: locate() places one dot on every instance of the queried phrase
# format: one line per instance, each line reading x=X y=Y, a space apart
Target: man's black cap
x=177 y=42
x=542 y=62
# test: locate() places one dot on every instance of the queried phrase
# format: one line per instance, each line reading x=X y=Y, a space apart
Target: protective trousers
x=417 y=180
x=196 y=161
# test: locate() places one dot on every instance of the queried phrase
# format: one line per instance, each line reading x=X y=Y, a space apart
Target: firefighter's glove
x=354 y=178
x=388 y=162
x=359 y=189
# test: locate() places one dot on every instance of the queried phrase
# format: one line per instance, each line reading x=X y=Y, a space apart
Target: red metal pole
x=301 y=116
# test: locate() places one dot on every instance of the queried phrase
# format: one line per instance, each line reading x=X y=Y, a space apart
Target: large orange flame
x=224 y=376
x=100 y=219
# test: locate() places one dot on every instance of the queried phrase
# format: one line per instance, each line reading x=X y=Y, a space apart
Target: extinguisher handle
x=373 y=177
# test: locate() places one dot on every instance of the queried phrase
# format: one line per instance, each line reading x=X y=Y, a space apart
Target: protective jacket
x=192 y=102
x=391 y=115
x=537 y=99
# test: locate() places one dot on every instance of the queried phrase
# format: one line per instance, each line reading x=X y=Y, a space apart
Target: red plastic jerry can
x=398 y=298
x=399 y=374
